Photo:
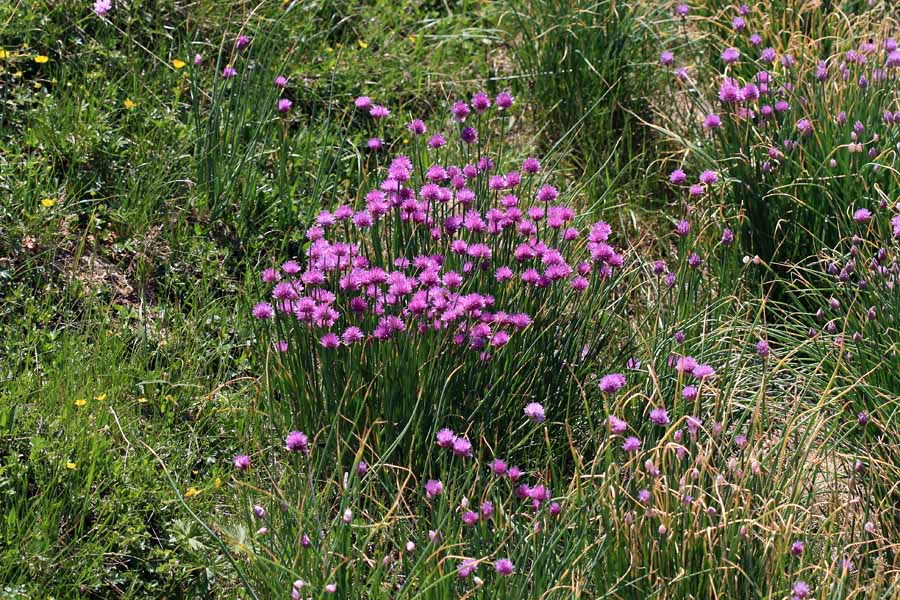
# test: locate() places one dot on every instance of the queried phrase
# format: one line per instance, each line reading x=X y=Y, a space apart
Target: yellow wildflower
x=80 y=402
x=41 y=59
x=48 y=202
x=178 y=64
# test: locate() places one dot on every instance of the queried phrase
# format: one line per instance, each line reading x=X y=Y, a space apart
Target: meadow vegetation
x=459 y=299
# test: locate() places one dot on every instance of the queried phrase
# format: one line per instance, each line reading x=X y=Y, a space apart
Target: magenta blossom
x=535 y=412
x=504 y=567
x=297 y=441
x=433 y=488
x=612 y=383
x=616 y=425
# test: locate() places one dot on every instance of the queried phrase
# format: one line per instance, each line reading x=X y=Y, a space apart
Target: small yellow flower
x=178 y=64
x=80 y=402
x=218 y=482
x=129 y=104
x=101 y=397
x=169 y=398
x=71 y=466
x=142 y=400
x=41 y=59
x=329 y=49
x=191 y=491
x=37 y=85
x=48 y=202
x=363 y=44
x=4 y=54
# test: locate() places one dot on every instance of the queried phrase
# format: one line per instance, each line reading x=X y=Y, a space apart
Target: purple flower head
x=469 y=135
x=229 y=72
x=297 y=441
x=379 y=112
x=893 y=60
x=659 y=416
x=462 y=447
x=768 y=55
x=330 y=341
x=703 y=372
x=797 y=548
x=612 y=383
x=242 y=42
x=693 y=424
x=667 y=58
x=709 y=177
x=682 y=228
x=685 y=364
x=682 y=10
x=727 y=237
x=101 y=7
x=762 y=348
x=804 y=126
x=498 y=467
x=801 y=589
x=470 y=517
x=531 y=165
x=241 y=462
x=481 y=102
x=631 y=444
x=284 y=105
x=504 y=100
x=445 y=438
x=547 y=193
x=504 y=567
x=433 y=488
x=731 y=55
x=678 y=177
x=616 y=425
x=437 y=141
x=281 y=82
x=862 y=215
x=739 y=24
x=643 y=496
x=263 y=310
x=712 y=121
x=466 y=568
x=535 y=412
x=689 y=393
x=863 y=418
x=460 y=111
x=694 y=260
x=416 y=127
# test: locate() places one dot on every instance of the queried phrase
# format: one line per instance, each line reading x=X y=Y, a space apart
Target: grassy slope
x=122 y=294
